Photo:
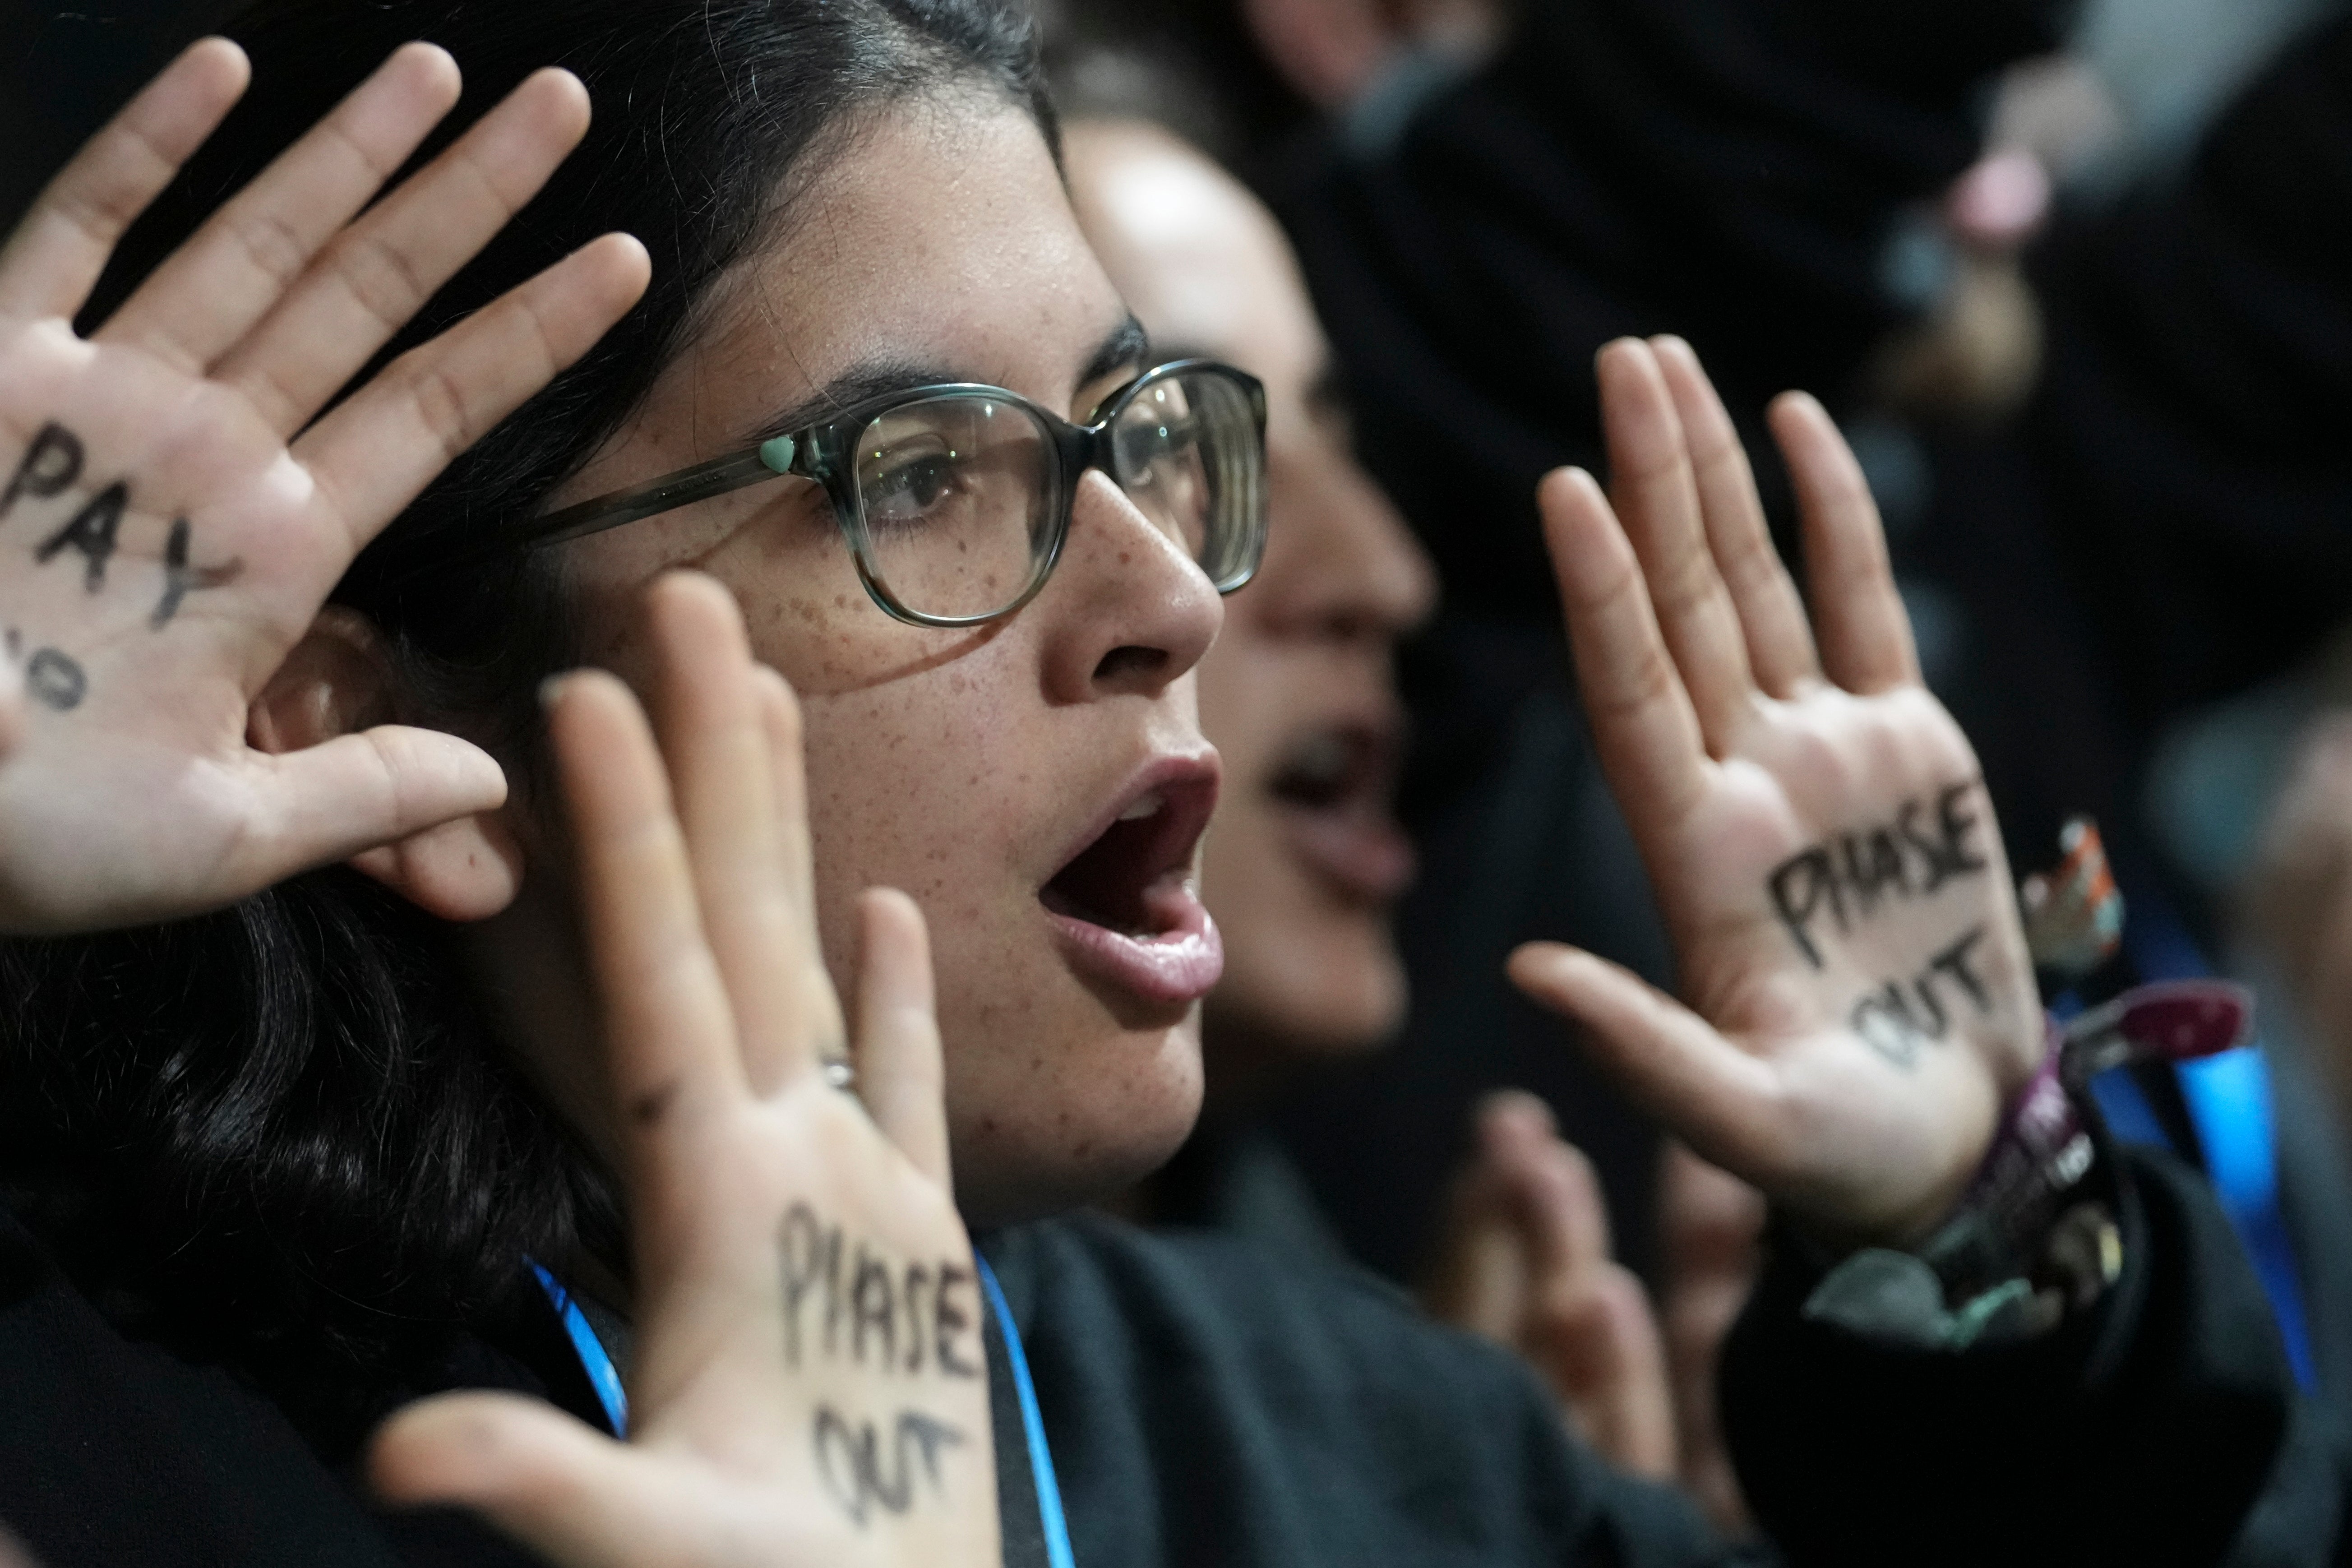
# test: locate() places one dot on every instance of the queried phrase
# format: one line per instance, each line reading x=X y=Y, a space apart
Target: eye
x=1149 y=442
x=904 y=483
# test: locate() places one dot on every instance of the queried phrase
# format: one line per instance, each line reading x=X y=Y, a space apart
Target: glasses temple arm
x=716 y=478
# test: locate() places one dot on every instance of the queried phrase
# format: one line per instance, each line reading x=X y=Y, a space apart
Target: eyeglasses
x=955 y=500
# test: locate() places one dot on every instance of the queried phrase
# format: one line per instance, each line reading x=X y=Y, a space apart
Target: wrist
x=2034 y=1239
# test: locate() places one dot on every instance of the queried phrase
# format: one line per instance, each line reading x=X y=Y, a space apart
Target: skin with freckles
x=1298 y=694
x=963 y=766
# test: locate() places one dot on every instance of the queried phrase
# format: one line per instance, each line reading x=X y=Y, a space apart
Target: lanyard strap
x=1057 y=1529
x=603 y=1376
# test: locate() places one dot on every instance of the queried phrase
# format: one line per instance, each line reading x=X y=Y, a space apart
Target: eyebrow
x=1123 y=348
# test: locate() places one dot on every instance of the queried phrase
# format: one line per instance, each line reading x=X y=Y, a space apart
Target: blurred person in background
x=1478 y=201
x=1813 y=194
x=1306 y=861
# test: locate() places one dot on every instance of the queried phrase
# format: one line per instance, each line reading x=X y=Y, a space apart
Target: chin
x=1055 y=1129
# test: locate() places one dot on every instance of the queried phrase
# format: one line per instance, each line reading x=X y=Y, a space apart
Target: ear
x=338 y=680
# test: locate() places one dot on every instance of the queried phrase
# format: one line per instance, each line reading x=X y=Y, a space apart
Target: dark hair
x=283 y=1136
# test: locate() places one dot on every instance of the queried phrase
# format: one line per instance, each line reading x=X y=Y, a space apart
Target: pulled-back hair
x=284 y=1135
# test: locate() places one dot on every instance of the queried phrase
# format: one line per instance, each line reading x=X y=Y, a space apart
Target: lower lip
x=1178 y=966
x=1361 y=853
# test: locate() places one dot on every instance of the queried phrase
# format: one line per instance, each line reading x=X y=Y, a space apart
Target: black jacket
x=1211 y=1403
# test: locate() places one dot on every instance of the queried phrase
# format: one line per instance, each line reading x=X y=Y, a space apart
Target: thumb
x=547 y=1479
x=330 y=802
x=1675 y=1064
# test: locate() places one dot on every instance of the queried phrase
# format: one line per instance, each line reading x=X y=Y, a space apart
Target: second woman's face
x=1039 y=785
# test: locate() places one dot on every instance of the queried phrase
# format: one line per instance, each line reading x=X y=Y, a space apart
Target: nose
x=1339 y=562
x=1128 y=610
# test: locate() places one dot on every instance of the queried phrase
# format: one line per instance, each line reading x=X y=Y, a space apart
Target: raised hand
x=1860 y=1003
x=1527 y=1263
x=808 y=1383
x=172 y=517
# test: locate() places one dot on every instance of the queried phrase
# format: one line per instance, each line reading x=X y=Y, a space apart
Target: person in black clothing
x=287 y=1148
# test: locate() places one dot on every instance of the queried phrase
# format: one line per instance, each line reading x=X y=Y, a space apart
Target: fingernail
x=550 y=689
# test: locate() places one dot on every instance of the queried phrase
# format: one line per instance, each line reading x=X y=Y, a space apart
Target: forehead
x=940 y=237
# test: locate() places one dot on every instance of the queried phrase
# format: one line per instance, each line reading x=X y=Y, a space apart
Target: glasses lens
x=1188 y=451
x=957 y=497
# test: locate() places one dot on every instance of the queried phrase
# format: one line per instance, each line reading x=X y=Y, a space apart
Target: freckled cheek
x=916 y=797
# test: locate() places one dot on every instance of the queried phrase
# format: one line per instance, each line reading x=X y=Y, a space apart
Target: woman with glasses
x=396 y=1031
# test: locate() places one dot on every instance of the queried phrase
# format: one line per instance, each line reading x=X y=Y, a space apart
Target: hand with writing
x=808 y=1383
x=1527 y=1264
x=1860 y=1006
x=173 y=512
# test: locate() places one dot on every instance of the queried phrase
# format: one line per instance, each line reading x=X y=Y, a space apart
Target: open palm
x=172 y=519
x=1860 y=1003
x=808 y=1385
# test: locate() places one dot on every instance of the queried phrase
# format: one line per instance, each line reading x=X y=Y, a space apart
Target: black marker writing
x=54 y=680
x=51 y=464
x=180 y=579
x=1848 y=878
x=1899 y=1018
x=846 y=1299
x=849 y=1460
x=916 y=1277
x=91 y=531
x=951 y=1322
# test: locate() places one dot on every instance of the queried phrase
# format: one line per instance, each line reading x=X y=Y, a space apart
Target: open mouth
x=1126 y=905
x=1335 y=768
x=1336 y=783
x=1128 y=880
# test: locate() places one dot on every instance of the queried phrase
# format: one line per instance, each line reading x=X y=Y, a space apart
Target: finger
x=669 y=1029
x=706 y=713
x=1709 y=1222
x=900 y=1073
x=356 y=793
x=1480 y=1279
x=544 y=1477
x=780 y=712
x=53 y=260
x=210 y=292
x=1780 y=642
x=1601 y=1350
x=375 y=452
x=1667 y=1057
x=381 y=270
x=1865 y=635
x=1558 y=1200
x=1642 y=720
x=1656 y=498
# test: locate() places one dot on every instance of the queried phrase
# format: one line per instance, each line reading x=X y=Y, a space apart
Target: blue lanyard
x=2229 y=1102
x=603 y=1376
x=605 y=1379
x=1041 y=1459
